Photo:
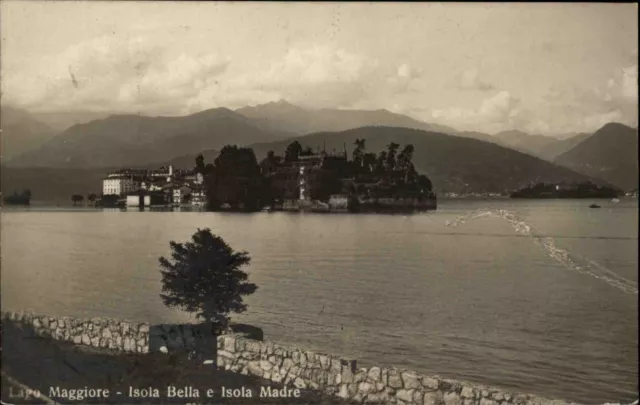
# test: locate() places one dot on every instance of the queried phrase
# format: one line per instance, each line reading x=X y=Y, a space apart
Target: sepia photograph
x=392 y=203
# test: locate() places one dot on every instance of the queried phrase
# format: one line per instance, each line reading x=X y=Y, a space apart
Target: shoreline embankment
x=248 y=355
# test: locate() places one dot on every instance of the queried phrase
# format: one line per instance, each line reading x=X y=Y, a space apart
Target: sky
x=542 y=68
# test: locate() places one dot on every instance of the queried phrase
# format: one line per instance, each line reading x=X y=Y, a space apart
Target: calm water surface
x=479 y=302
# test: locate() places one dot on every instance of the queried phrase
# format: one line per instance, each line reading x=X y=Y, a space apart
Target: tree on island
x=270 y=163
x=200 y=166
x=381 y=163
x=92 y=198
x=358 y=163
x=391 y=155
x=237 y=181
x=205 y=277
x=369 y=161
x=293 y=151
x=77 y=198
x=234 y=179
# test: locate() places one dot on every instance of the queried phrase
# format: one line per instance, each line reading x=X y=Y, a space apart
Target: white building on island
x=124 y=181
x=119 y=185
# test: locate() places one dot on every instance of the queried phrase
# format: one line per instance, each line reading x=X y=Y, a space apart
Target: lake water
x=481 y=302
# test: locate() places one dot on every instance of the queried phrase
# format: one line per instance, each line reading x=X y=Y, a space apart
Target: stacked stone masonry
x=301 y=369
x=342 y=378
x=96 y=332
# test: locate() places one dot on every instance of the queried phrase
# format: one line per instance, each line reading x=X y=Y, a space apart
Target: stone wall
x=342 y=378
x=96 y=332
x=301 y=369
x=107 y=333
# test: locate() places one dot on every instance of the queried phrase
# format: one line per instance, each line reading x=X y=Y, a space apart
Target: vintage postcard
x=319 y=203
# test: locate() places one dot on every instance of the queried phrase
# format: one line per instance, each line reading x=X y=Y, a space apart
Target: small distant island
x=579 y=190
x=23 y=198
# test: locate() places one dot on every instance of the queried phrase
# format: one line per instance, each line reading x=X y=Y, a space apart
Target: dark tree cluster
x=22 y=198
x=77 y=198
x=236 y=180
x=392 y=167
x=92 y=197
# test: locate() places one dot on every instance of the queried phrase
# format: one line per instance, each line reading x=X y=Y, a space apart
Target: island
x=301 y=180
x=563 y=190
x=23 y=198
x=318 y=181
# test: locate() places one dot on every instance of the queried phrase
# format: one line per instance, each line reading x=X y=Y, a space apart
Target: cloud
x=320 y=76
x=586 y=109
x=111 y=74
x=470 y=80
x=151 y=72
x=593 y=122
x=404 y=70
x=317 y=77
x=500 y=111
x=145 y=72
x=630 y=83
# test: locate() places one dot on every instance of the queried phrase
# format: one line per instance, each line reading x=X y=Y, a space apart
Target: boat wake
x=549 y=247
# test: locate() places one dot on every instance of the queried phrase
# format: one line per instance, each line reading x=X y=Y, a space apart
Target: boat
x=594 y=206
x=615 y=200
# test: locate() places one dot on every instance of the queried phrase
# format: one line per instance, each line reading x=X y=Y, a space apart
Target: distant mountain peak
x=216 y=110
x=512 y=132
x=610 y=154
x=282 y=101
x=280 y=105
x=616 y=126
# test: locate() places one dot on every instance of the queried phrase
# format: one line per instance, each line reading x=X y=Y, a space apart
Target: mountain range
x=457 y=161
x=276 y=119
x=611 y=154
x=62 y=120
x=524 y=142
x=284 y=116
x=21 y=132
x=134 y=140
x=455 y=164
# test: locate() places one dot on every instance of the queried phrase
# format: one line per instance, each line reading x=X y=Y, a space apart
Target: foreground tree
x=204 y=277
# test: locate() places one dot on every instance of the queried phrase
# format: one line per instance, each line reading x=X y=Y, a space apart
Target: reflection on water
x=478 y=302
